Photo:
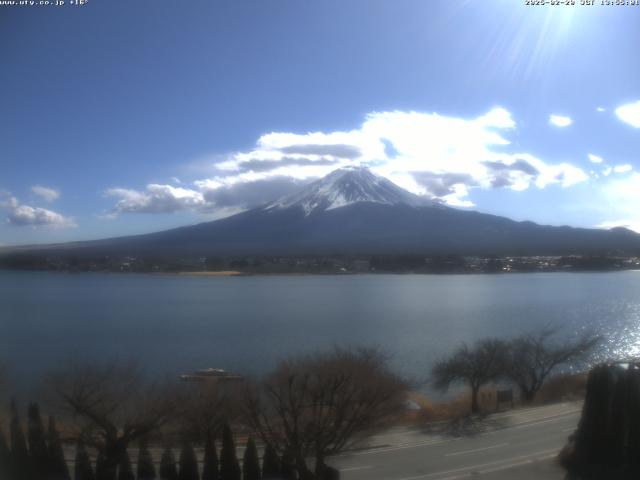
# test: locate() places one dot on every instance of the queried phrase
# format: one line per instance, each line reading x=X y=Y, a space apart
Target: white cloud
x=25 y=215
x=497 y=117
x=594 y=158
x=619 y=199
x=622 y=168
x=47 y=193
x=156 y=199
x=559 y=120
x=630 y=224
x=630 y=113
x=607 y=171
x=601 y=109
x=426 y=153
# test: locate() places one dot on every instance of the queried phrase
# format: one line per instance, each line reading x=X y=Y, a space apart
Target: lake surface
x=175 y=324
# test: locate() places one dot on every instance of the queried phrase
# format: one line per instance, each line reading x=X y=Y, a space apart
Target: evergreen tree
x=19 y=452
x=287 y=467
x=617 y=425
x=58 y=468
x=250 y=462
x=83 y=470
x=37 y=444
x=634 y=416
x=168 y=469
x=270 y=464
x=105 y=469
x=5 y=458
x=125 y=470
x=229 y=467
x=146 y=470
x=101 y=467
x=188 y=463
x=210 y=471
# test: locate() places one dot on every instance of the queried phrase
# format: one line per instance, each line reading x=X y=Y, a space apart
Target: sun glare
x=529 y=39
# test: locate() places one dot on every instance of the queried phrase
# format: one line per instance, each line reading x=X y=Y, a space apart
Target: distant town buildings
x=329 y=264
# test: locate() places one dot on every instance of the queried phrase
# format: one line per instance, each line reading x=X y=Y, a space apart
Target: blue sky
x=124 y=117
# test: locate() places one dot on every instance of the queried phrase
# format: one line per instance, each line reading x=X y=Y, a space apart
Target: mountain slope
x=355 y=212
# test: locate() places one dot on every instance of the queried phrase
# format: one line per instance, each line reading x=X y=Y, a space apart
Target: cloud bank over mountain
x=436 y=156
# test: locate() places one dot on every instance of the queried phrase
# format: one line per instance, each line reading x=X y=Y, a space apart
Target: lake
x=175 y=324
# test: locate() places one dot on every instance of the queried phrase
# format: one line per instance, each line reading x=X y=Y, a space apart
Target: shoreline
x=211 y=273
x=237 y=273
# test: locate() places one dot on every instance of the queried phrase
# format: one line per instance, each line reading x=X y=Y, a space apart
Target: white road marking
x=511 y=462
x=474 y=473
x=374 y=451
x=532 y=424
x=351 y=469
x=518 y=464
x=475 y=450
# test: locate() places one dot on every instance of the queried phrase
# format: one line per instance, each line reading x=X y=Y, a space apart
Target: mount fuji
x=347 y=186
x=353 y=211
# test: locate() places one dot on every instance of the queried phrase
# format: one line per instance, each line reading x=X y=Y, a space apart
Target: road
x=521 y=444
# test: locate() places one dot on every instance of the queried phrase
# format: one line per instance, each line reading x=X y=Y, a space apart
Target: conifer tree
x=38 y=452
x=168 y=469
x=106 y=468
x=5 y=458
x=83 y=470
x=270 y=464
x=19 y=452
x=125 y=470
x=146 y=469
x=250 y=462
x=188 y=463
x=58 y=469
x=287 y=468
x=102 y=472
x=210 y=471
x=229 y=467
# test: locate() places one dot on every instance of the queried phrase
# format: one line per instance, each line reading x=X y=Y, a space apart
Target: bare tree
x=206 y=407
x=534 y=356
x=318 y=405
x=474 y=366
x=113 y=405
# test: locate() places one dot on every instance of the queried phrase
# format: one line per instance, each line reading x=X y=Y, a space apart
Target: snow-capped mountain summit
x=344 y=187
x=353 y=211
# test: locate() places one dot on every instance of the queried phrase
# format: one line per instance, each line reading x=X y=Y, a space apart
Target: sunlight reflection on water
x=177 y=324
